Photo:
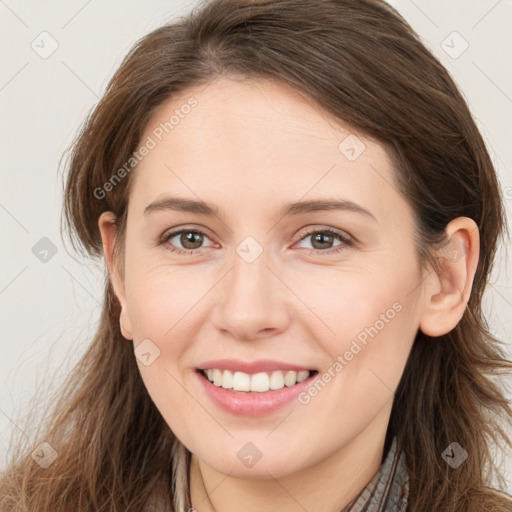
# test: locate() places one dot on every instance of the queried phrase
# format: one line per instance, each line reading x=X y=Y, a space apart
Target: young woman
x=298 y=218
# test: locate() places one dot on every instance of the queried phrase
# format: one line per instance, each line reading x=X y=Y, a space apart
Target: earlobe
x=447 y=292
x=107 y=228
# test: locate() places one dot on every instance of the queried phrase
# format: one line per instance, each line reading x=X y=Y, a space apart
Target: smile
x=258 y=382
x=253 y=394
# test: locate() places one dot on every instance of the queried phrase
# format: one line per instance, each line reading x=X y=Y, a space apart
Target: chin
x=246 y=462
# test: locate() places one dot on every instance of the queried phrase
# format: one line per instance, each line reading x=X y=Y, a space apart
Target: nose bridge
x=250 y=300
x=249 y=276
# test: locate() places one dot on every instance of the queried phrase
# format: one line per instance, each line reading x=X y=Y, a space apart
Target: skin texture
x=249 y=147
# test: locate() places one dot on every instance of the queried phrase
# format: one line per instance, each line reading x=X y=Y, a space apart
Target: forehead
x=247 y=143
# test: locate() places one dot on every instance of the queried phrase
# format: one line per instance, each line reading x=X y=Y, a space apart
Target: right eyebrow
x=182 y=205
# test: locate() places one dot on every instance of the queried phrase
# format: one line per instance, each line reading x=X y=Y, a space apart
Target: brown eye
x=323 y=241
x=191 y=239
x=184 y=240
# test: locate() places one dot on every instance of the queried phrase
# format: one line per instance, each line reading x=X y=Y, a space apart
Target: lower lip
x=253 y=404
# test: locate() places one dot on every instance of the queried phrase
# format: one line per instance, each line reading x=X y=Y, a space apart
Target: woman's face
x=265 y=288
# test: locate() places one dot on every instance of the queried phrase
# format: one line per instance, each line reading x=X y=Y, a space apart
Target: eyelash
x=346 y=241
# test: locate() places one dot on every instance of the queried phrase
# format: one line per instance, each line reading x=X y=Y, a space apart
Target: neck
x=327 y=486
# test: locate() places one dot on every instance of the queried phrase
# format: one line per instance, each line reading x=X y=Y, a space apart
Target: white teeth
x=302 y=375
x=290 y=378
x=257 y=382
x=277 y=380
x=260 y=382
x=241 y=381
x=217 y=377
x=227 y=379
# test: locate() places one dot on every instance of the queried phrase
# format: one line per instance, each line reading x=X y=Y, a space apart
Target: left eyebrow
x=289 y=209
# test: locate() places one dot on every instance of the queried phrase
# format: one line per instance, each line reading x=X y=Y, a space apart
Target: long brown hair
x=360 y=61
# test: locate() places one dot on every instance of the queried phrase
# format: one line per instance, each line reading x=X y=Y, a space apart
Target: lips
x=263 y=365
x=253 y=389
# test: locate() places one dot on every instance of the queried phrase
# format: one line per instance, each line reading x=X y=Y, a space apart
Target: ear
x=447 y=294
x=107 y=227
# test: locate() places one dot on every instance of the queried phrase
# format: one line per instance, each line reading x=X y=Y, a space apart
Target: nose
x=251 y=301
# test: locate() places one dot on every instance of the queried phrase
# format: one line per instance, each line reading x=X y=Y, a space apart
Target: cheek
x=161 y=301
x=350 y=303
x=368 y=357
x=162 y=309
x=369 y=322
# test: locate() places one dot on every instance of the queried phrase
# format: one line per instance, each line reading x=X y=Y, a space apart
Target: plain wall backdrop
x=57 y=58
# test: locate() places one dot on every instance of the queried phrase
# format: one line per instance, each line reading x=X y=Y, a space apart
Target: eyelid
x=319 y=229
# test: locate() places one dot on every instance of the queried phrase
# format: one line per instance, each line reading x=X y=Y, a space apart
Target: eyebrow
x=297 y=208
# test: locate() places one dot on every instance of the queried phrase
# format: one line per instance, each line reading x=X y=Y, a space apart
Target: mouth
x=253 y=394
x=261 y=382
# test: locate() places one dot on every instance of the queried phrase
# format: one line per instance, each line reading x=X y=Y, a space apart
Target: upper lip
x=261 y=365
